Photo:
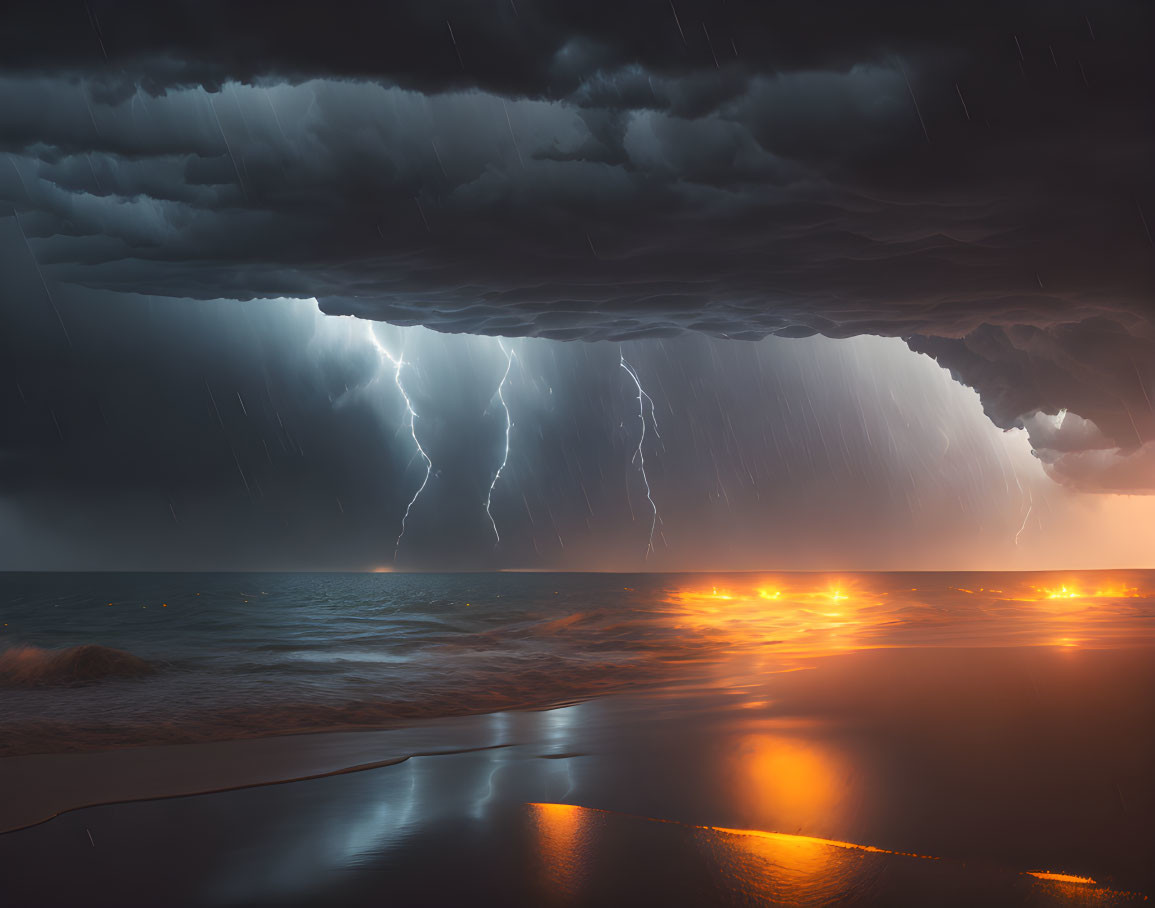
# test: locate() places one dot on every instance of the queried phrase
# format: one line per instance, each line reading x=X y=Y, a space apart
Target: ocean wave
x=31 y=666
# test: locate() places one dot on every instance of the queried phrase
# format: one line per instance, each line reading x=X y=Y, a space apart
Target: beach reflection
x=753 y=866
x=564 y=835
x=800 y=783
x=784 y=869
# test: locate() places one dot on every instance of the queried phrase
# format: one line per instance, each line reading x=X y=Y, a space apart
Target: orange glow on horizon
x=1070 y=591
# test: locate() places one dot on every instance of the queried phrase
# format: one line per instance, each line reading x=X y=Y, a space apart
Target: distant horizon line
x=583 y=572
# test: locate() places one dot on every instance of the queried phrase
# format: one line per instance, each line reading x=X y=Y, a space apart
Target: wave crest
x=26 y=666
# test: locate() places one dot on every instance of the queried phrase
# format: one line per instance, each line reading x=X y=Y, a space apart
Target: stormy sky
x=886 y=272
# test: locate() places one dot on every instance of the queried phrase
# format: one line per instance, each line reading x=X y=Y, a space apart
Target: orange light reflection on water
x=793 y=616
x=793 y=620
x=1072 y=591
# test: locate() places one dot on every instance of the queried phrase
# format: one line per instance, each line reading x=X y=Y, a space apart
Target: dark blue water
x=191 y=657
x=232 y=655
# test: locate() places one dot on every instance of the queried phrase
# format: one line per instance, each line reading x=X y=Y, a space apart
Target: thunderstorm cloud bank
x=974 y=178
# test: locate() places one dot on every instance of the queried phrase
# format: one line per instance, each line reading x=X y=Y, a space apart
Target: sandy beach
x=961 y=776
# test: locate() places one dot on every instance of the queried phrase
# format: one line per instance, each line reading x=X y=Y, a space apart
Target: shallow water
x=240 y=655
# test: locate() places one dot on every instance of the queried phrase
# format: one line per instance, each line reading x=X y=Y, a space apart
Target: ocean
x=102 y=661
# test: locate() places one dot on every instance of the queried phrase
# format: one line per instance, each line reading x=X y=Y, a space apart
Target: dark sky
x=184 y=188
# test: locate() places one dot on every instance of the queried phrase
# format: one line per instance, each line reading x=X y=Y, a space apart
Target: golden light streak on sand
x=563 y=835
x=568 y=813
x=566 y=832
x=813 y=840
x=1061 y=877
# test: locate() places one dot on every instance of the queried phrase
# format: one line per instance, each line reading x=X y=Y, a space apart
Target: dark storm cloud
x=1094 y=368
x=540 y=49
x=973 y=176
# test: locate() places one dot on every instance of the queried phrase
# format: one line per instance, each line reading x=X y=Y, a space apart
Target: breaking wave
x=31 y=666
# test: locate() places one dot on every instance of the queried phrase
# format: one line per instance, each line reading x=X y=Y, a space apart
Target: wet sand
x=917 y=776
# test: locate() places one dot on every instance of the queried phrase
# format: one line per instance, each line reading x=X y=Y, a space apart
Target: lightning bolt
x=398 y=362
x=639 y=454
x=1018 y=535
x=1030 y=504
x=508 y=428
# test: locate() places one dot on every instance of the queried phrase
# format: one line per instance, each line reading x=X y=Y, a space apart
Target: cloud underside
x=973 y=178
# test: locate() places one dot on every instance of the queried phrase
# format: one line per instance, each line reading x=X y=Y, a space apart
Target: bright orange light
x=780 y=618
x=1118 y=592
x=1065 y=591
x=564 y=833
x=814 y=840
x=1061 y=877
x=788 y=868
x=571 y=812
x=794 y=781
x=769 y=619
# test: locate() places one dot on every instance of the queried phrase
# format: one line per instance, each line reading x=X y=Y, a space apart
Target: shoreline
x=37 y=788
x=694 y=795
x=777 y=743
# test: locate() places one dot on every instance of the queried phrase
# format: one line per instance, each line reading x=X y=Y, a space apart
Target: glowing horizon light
x=766 y=594
x=780 y=618
x=1065 y=591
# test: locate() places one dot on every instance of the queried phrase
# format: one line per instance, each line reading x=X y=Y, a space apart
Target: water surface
x=175 y=658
